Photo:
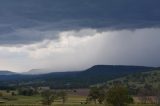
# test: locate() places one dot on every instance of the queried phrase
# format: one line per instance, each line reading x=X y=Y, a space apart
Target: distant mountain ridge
x=6 y=72
x=37 y=71
x=75 y=79
x=93 y=68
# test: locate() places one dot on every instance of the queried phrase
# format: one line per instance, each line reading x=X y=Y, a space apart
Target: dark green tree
x=96 y=94
x=101 y=96
x=62 y=95
x=118 y=96
x=157 y=94
x=1 y=94
x=13 y=93
x=26 y=91
x=48 y=97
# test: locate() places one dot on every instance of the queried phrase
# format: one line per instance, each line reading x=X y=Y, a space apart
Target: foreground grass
x=73 y=105
x=36 y=100
x=73 y=100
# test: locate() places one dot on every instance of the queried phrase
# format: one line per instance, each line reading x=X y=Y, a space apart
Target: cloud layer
x=73 y=52
x=76 y=34
x=26 y=21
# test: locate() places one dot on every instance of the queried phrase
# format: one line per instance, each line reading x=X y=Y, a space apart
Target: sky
x=70 y=35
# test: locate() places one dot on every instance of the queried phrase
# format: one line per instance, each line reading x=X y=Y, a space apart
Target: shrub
x=1 y=94
x=118 y=96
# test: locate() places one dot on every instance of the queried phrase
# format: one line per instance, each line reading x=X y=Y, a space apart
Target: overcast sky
x=66 y=35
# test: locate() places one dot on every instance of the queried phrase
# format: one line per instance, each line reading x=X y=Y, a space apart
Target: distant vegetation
x=104 y=86
x=138 y=80
x=116 y=95
x=49 y=96
x=80 y=79
x=144 y=85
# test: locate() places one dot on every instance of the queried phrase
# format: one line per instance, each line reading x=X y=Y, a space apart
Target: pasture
x=77 y=98
x=73 y=98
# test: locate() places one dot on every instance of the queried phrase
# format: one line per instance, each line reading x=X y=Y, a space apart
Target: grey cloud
x=123 y=47
x=26 y=36
x=58 y=15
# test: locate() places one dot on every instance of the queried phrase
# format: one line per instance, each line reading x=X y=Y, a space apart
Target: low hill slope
x=140 y=79
x=77 y=79
x=5 y=72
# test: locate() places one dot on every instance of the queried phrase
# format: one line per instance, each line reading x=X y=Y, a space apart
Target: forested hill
x=138 y=80
x=101 y=73
x=76 y=79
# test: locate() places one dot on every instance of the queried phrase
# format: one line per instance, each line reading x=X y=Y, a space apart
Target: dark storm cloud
x=38 y=16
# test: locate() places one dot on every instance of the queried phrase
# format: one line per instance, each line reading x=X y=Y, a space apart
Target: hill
x=106 y=72
x=37 y=71
x=137 y=80
x=76 y=79
x=5 y=72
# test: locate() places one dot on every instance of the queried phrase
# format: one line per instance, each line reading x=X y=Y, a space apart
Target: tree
x=96 y=94
x=48 y=97
x=1 y=94
x=26 y=91
x=158 y=95
x=101 y=96
x=118 y=96
x=8 y=91
x=145 y=93
x=142 y=95
x=13 y=93
x=63 y=96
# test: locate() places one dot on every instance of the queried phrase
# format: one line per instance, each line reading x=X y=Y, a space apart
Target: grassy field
x=72 y=99
x=37 y=100
x=77 y=98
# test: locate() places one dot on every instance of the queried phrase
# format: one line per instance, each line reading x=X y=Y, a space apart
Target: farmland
x=74 y=98
x=142 y=87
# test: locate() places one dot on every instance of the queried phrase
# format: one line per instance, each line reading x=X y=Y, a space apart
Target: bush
x=1 y=94
x=13 y=93
x=48 y=97
x=96 y=94
x=26 y=91
x=118 y=96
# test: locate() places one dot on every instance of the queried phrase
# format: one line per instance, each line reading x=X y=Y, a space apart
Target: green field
x=73 y=100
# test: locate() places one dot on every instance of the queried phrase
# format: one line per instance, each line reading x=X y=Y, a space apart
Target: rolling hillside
x=76 y=79
x=141 y=79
